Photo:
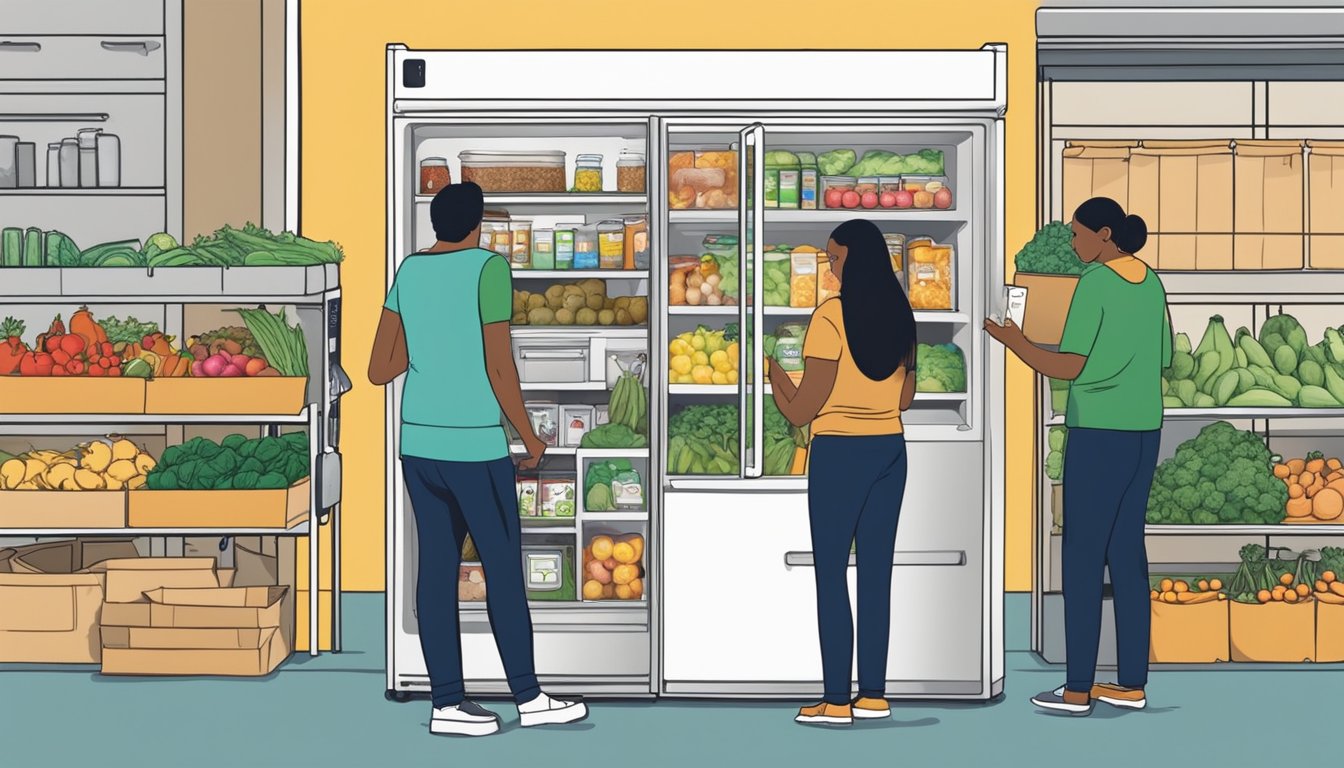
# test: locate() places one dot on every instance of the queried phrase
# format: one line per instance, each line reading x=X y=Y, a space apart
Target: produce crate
x=132 y=281
x=1048 y=300
x=62 y=509
x=1189 y=634
x=281 y=508
x=71 y=394
x=279 y=395
x=1273 y=632
x=1329 y=632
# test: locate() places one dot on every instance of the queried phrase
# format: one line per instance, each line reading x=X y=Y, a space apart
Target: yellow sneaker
x=826 y=714
x=871 y=709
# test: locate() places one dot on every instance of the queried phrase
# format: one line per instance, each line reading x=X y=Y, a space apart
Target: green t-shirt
x=449 y=411
x=1124 y=331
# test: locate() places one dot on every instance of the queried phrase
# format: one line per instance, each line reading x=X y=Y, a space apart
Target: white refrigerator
x=727 y=605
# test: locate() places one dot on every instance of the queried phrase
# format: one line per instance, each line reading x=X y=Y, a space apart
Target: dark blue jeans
x=1107 y=476
x=854 y=490
x=451 y=499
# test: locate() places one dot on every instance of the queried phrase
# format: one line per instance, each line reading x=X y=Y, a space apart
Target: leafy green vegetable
x=1223 y=475
x=284 y=346
x=129 y=331
x=1058 y=439
x=939 y=368
x=1050 y=252
x=780 y=157
x=235 y=462
x=613 y=436
x=876 y=162
x=837 y=162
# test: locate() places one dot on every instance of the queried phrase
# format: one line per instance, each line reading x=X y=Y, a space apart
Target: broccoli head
x=940 y=368
x=1222 y=475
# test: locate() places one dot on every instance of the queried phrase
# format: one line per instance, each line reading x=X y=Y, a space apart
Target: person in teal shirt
x=1116 y=342
x=445 y=325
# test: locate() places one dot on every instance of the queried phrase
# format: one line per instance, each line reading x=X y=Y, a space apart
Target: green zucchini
x=33 y=255
x=11 y=247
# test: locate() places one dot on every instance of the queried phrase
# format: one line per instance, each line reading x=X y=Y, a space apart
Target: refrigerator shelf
x=615 y=453
x=580 y=274
x=603 y=331
x=1252 y=413
x=559 y=198
x=822 y=216
x=84 y=192
x=551 y=450
x=1245 y=530
x=299 y=530
x=568 y=386
x=619 y=516
x=81 y=419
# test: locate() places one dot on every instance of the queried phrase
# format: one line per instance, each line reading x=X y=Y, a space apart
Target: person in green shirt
x=1116 y=342
x=445 y=325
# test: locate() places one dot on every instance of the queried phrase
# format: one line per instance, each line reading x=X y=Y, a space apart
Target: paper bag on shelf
x=1273 y=632
x=1325 y=213
x=1189 y=634
x=1095 y=169
x=1269 y=220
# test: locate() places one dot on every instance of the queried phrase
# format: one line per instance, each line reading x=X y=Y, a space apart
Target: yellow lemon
x=717 y=356
x=700 y=358
x=723 y=366
x=702 y=374
x=686 y=378
x=681 y=364
x=697 y=342
x=718 y=377
x=732 y=352
x=731 y=376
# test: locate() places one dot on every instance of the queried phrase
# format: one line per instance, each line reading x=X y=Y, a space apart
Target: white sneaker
x=465 y=719
x=544 y=710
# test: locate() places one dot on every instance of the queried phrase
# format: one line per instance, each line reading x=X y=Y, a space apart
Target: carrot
x=1306 y=479
x=1264 y=596
x=1168 y=597
x=1281 y=471
x=1316 y=488
x=1331 y=598
x=1327 y=504
x=1296 y=492
x=1292 y=479
x=1334 y=464
x=1188 y=598
x=1299 y=507
x=1328 y=577
x=1216 y=584
x=1296 y=466
x=1316 y=465
x=1337 y=587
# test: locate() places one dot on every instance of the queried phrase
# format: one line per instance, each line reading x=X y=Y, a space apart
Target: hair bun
x=1133 y=234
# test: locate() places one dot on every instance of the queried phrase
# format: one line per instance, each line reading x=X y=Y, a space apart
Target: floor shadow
x=892 y=722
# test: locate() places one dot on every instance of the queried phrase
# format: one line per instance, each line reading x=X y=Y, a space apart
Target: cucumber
x=1259 y=398
x=1287 y=386
x=1226 y=387
x=1285 y=359
x=33 y=253
x=1315 y=397
x=1310 y=372
x=1244 y=381
x=11 y=247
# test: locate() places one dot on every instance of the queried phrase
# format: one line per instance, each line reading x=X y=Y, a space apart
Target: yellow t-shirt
x=857 y=405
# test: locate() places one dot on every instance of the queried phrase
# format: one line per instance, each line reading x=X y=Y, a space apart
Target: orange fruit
x=623 y=552
x=1303 y=590
x=636 y=589
x=601 y=547
x=623 y=592
x=624 y=574
x=1264 y=596
x=1215 y=584
x=592 y=590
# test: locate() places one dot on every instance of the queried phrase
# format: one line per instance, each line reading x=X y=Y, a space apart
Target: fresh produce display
x=235 y=463
x=698 y=284
x=1315 y=488
x=12 y=348
x=251 y=246
x=1221 y=476
x=703 y=440
x=628 y=411
x=1050 y=252
x=83 y=351
x=36 y=248
x=1058 y=441
x=613 y=436
x=776 y=275
x=782 y=441
x=605 y=485
x=101 y=465
x=1185 y=592
x=613 y=569
x=580 y=303
x=1280 y=370
x=1287 y=577
x=233 y=340
x=282 y=346
x=940 y=368
x=703 y=356
x=129 y=331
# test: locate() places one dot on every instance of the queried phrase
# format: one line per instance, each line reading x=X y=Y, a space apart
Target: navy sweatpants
x=854 y=490
x=1107 y=477
x=451 y=499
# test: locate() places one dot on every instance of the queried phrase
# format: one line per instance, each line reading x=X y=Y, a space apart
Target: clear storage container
x=515 y=171
x=630 y=176
x=588 y=173
x=434 y=175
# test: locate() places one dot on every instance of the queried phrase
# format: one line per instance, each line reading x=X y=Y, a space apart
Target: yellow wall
x=343 y=193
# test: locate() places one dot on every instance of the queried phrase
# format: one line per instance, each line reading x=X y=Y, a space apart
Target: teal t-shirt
x=1124 y=331
x=449 y=411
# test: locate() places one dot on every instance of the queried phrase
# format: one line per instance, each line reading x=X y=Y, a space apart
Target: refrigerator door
x=750 y=377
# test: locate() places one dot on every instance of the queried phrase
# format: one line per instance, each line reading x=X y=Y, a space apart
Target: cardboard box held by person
x=183 y=616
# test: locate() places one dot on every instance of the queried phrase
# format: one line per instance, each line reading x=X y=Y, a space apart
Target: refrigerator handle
x=954 y=557
x=755 y=216
x=743 y=347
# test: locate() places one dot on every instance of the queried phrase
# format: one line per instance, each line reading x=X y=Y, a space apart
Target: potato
x=564 y=317
x=623 y=317
x=556 y=293
x=598 y=573
x=574 y=303
x=541 y=316
x=639 y=309
x=519 y=318
x=606 y=317
x=585 y=316
x=622 y=302
x=593 y=285
x=536 y=301
x=596 y=301
x=610 y=303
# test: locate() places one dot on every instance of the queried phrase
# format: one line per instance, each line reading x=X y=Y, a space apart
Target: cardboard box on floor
x=1273 y=632
x=1269 y=222
x=1183 y=192
x=1189 y=634
x=50 y=600
x=196 y=623
x=269 y=561
x=1325 y=212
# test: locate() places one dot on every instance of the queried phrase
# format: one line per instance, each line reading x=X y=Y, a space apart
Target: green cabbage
x=837 y=162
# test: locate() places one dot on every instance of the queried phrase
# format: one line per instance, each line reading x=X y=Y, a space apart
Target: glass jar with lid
x=630 y=172
x=434 y=175
x=588 y=173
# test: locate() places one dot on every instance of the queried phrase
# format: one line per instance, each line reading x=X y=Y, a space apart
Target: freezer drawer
x=94 y=57
x=83 y=17
x=552 y=362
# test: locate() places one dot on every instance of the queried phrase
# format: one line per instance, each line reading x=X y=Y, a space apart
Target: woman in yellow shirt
x=859 y=358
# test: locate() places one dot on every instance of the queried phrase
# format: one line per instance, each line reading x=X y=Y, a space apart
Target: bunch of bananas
x=112 y=465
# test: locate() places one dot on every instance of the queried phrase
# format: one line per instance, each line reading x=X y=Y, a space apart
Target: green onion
x=283 y=346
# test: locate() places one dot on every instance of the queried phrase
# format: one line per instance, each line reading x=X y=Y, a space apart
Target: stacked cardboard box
x=1183 y=191
x=1325 y=213
x=184 y=616
x=1269 y=213
x=51 y=598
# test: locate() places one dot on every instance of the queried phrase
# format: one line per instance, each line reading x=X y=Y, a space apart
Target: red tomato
x=72 y=344
x=869 y=200
x=75 y=367
x=905 y=199
x=887 y=199
x=53 y=343
x=942 y=198
x=851 y=199
x=834 y=198
x=108 y=349
x=114 y=372
x=61 y=357
x=58 y=372
x=97 y=370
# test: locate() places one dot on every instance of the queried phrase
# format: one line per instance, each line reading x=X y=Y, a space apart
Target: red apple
x=887 y=199
x=905 y=199
x=869 y=200
x=942 y=198
x=851 y=199
x=834 y=198
x=230 y=371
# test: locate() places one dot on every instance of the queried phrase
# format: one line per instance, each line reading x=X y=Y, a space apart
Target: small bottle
x=109 y=160
x=88 y=157
x=69 y=162
x=54 y=164
x=588 y=173
x=25 y=162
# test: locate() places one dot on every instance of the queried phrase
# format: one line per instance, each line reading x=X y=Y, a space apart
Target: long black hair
x=1128 y=232
x=879 y=323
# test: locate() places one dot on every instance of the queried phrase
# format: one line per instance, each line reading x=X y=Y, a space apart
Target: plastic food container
x=575 y=422
x=434 y=175
x=929 y=275
x=515 y=171
x=803 y=277
x=896 y=250
x=545 y=418
x=611 y=244
x=636 y=242
x=585 y=247
x=928 y=191
x=588 y=173
x=521 y=230
x=527 y=497
x=630 y=176
x=866 y=184
x=543 y=249
x=828 y=285
x=702 y=179
x=833 y=189
x=564 y=248
x=557 y=498
x=543 y=571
